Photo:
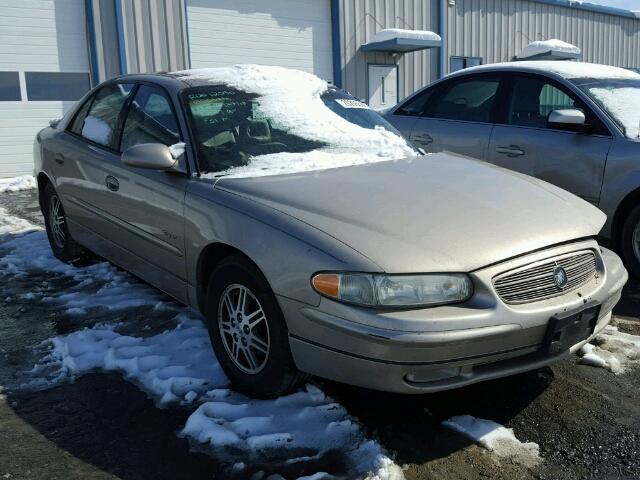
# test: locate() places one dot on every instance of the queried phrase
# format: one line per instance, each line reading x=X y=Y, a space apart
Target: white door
x=43 y=68
x=383 y=86
x=287 y=33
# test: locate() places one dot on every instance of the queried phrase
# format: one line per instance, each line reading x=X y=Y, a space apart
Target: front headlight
x=379 y=290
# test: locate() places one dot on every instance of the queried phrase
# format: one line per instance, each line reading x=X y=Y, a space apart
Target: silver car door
x=147 y=206
x=458 y=118
x=571 y=160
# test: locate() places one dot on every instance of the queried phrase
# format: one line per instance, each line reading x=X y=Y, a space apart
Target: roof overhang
x=395 y=40
x=553 y=55
x=400 y=45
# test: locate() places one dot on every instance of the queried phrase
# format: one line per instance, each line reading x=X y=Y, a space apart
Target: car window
x=229 y=129
x=533 y=99
x=470 y=99
x=78 y=121
x=150 y=119
x=100 y=124
x=417 y=105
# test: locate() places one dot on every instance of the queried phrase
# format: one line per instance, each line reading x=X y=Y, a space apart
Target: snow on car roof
x=292 y=98
x=567 y=69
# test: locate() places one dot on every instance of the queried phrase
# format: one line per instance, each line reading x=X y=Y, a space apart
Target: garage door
x=43 y=68
x=288 y=33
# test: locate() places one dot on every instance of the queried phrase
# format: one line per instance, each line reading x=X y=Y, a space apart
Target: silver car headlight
x=380 y=290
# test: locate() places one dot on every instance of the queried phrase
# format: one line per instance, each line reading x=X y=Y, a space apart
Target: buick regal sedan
x=576 y=125
x=315 y=240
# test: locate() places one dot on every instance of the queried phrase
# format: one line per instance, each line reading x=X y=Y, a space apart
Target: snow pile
x=23 y=182
x=496 y=438
x=178 y=366
x=541 y=47
x=613 y=350
x=117 y=289
x=393 y=33
x=623 y=103
x=291 y=98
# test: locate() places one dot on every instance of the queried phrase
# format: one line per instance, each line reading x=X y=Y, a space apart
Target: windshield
x=248 y=134
x=619 y=98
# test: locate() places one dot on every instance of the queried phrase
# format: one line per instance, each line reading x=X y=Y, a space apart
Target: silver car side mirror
x=153 y=156
x=567 y=119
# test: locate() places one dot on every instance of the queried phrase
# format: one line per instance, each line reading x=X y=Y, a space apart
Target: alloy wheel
x=243 y=328
x=57 y=221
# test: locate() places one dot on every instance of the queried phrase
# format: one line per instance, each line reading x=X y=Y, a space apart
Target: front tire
x=630 y=242
x=248 y=331
x=64 y=247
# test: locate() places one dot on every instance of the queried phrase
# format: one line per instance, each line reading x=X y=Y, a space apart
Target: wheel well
x=627 y=204
x=42 y=180
x=210 y=257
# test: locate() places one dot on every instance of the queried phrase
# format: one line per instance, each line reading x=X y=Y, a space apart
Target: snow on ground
x=178 y=367
x=496 y=438
x=23 y=182
x=612 y=349
x=545 y=46
x=291 y=98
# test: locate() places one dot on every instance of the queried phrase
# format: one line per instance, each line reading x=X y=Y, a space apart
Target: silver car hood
x=436 y=213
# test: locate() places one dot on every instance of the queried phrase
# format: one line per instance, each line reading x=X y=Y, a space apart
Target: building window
x=9 y=87
x=65 y=86
x=459 y=63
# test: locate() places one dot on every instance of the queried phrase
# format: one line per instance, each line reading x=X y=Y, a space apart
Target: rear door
x=458 y=117
x=525 y=143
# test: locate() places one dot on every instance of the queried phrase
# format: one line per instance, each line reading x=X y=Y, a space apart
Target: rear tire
x=630 y=242
x=250 y=337
x=64 y=247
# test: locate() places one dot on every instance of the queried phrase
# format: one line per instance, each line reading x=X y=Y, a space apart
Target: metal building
x=52 y=51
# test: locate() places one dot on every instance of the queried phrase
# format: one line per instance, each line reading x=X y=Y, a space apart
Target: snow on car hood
x=292 y=98
x=439 y=212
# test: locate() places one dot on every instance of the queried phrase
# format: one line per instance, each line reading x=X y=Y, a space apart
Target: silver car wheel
x=243 y=328
x=57 y=221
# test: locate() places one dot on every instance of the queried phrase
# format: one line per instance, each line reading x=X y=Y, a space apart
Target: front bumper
x=427 y=350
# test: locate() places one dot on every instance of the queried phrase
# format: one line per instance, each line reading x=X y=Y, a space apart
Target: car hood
x=434 y=213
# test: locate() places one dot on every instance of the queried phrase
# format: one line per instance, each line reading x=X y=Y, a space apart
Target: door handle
x=424 y=139
x=112 y=183
x=59 y=159
x=510 y=151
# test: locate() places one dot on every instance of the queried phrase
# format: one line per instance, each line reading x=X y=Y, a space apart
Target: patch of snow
x=96 y=129
x=178 y=366
x=393 y=33
x=540 y=47
x=23 y=182
x=292 y=99
x=623 y=103
x=496 y=438
x=177 y=149
x=613 y=350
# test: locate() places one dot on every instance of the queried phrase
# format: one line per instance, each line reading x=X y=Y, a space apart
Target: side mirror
x=153 y=156
x=568 y=119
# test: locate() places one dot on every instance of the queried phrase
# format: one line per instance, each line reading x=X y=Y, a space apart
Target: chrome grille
x=535 y=282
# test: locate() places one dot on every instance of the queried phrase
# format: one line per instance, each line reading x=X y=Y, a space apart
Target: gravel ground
x=586 y=420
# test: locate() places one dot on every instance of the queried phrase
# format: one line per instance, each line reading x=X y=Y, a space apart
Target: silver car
x=576 y=125
x=315 y=240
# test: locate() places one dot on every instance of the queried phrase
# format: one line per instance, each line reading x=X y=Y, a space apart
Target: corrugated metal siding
x=497 y=30
x=154 y=35
x=360 y=20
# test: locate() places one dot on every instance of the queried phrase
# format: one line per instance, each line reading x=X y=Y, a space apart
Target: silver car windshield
x=619 y=98
x=231 y=130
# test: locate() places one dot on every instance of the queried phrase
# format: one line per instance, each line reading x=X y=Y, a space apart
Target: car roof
x=562 y=68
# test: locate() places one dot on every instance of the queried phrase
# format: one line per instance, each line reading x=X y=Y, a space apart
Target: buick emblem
x=560 y=277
